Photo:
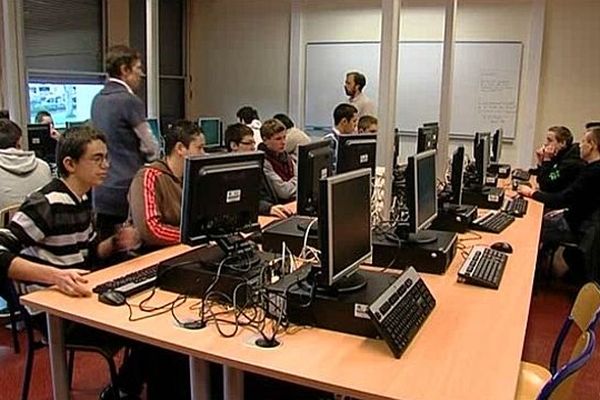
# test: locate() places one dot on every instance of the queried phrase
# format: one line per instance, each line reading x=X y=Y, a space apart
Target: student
x=367 y=124
x=239 y=137
x=559 y=162
x=121 y=115
x=581 y=198
x=44 y=117
x=592 y=124
x=20 y=171
x=279 y=168
x=155 y=192
x=249 y=116
x=353 y=86
x=345 y=119
x=294 y=137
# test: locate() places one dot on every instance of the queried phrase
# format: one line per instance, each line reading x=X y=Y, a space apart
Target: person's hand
x=71 y=282
x=550 y=151
x=127 y=238
x=525 y=191
x=280 y=211
x=54 y=134
x=539 y=155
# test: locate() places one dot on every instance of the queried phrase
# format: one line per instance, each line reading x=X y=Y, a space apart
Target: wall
x=570 y=84
x=117 y=22
x=238 y=55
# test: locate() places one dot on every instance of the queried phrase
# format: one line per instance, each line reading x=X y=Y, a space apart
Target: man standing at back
x=121 y=115
x=354 y=85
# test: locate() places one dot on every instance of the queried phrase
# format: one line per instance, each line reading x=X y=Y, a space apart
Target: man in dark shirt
x=580 y=199
x=121 y=115
x=559 y=162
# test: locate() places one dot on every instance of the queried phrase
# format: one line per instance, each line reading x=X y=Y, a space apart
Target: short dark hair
x=118 y=56
x=40 y=115
x=366 y=121
x=562 y=133
x=285 y=120
x=592 y=124
x=270 y=128
x=4 y=114
x=342 y=111
x=181 y=131
x=10 y=133
x=73 y=142
x=359 y=79
x=236 y=133
x=595 y=132
x=247 y=114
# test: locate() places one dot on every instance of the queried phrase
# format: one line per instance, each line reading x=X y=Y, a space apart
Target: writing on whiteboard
x=497 y=99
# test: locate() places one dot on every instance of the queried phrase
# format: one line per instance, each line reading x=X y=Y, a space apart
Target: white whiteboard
x=485 y=85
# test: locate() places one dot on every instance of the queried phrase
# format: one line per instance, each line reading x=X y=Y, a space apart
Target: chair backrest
x=587 y=306
x=6 y=214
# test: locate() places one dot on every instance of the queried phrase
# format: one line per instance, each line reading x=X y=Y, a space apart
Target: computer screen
x=314 y=164
x=65 y=101
x=497 y=145
x=213 y=131
x=456 y=174
x=421 y=190
x=220 y=195
x=344 y=225
x=40 y=142
x=355 y=152
x=74 y=124
x=482 y=155
x=427 y=137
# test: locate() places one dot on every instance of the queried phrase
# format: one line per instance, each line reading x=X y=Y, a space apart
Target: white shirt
x=363 y=104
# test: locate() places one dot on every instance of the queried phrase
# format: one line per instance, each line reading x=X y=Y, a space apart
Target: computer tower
x=288 y=230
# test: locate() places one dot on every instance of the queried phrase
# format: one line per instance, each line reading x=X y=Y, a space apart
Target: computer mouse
x=112 y=298
x=504 y=247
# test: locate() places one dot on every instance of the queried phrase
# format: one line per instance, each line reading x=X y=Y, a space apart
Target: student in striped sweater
x=155 y=192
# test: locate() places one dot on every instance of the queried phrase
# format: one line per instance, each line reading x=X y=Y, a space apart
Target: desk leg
x=233 y=385
x=199 y=379
x=58 y=359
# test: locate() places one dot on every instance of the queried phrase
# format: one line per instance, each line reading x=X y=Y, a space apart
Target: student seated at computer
x=155 y=192
x=20 y=171
x=239 y=137
x=44 y=117
x=345 y=119
x=580 y=199
x=368 y=124
x=558 y=160
x=294 y=137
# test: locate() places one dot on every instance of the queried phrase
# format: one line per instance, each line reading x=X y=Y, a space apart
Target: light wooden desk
x=469 y=348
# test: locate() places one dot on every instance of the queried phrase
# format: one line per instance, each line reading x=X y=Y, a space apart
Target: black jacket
x=557 y=174
x=581 y=198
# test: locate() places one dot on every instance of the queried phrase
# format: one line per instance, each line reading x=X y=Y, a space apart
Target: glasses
x=100 y=159
x=252 y=143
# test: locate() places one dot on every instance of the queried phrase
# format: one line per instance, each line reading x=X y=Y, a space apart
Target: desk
x=469 y=348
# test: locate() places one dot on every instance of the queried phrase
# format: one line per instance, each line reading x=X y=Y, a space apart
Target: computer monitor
x=156 y=133
x=4 y=114
x=482 y=155
x=40 y=142
x=427 y=137
x=456 y=174
x=213 y=131
x=314 y=164
x=421 y=196
x=497 y=145
x=344 y=229
x=356 y=152
x=74 y=124
x=220 y=197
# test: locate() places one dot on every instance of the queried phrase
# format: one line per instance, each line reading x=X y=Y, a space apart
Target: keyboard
x=521 y=174
x=493 y=221
x=132 y=283
x=400 y=311
x=483 y=267
x=516 y=206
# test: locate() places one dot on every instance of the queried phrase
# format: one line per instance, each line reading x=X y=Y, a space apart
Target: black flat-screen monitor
x=74 y=124
x=40 y=142
x=314 y=164
x=497 y=145
x=456 y=174
x=220 y=195
x=344 y=229
x=482 y=155
x=212 y=128
x=356 y=152
x=427 y=138
x=421 y=196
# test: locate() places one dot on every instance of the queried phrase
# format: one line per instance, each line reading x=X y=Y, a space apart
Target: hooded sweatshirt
x=155 y=204
x=557 y=174
x=20 y=174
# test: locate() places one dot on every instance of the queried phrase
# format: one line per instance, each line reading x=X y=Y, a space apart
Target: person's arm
x=148 y=144
x=284 y=190
x=562 y=199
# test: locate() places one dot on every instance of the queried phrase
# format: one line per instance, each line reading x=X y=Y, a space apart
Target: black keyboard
x=132 y=283
x=494 y=222
x=516 y=206
x=521 y=174
x=484 y=267
x=400 y=311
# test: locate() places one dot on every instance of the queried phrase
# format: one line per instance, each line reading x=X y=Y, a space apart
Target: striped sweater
x=53 y=227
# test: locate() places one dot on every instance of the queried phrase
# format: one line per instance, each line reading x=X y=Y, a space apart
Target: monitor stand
x=348 y=284
x=419 y=238
x=240 y=253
